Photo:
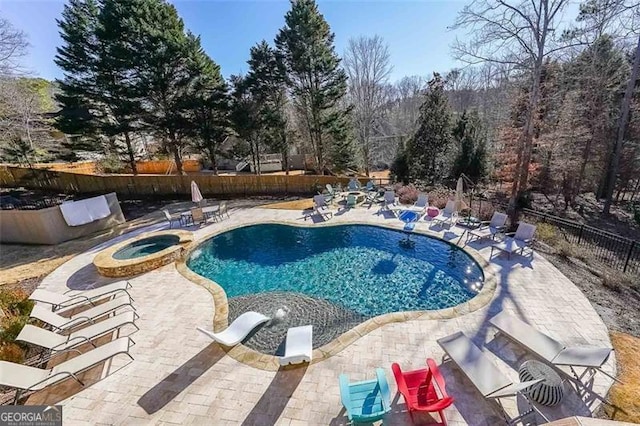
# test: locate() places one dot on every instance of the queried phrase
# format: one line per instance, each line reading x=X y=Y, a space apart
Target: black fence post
x=580 y=234
x=626 y=262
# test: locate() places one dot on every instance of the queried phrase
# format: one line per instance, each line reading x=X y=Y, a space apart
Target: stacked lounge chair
x=26 y=378
x=60 y=323
x=67 y=300
x=482 y=372
x=590 y=358
x=58 y=342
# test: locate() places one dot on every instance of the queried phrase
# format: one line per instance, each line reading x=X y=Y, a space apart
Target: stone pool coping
x=109 y=266
x=267 y=362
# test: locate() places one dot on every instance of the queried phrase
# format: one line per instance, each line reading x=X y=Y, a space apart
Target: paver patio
x=180 y=377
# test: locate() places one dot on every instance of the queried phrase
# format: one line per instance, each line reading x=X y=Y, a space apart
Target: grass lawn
x=625 y=397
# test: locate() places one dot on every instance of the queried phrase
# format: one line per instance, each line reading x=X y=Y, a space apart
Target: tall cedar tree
x=246 y=118
x=210 y=105
x=99 y=94
x=428 y=149
x=117 y=87
x=470 y=139
x=77 y=58
x=170 y=71
x=267 y=79
x=315 y=78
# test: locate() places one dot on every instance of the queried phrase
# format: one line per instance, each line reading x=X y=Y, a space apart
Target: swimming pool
x=364 y=269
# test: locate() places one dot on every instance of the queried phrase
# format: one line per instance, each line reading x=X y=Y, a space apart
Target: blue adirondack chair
x=366 y=401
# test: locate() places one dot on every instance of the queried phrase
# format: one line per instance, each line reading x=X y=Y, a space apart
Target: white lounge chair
x=448 y=215
x=238 y=330
x=590 y=358
x=421 y=204
x=482 y=372
x=58 y=301
x=60 y=322
x=522 y=239
x=58 y=342
x=320 y=207
x=489 y=229
x=390 y=203
x=298 y=346
x=27 y=378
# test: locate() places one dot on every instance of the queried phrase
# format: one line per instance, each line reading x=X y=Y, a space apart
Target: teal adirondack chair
x=351 y=201
x=366 y=401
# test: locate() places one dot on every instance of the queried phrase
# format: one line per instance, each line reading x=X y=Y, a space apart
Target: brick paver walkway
x=180 y=377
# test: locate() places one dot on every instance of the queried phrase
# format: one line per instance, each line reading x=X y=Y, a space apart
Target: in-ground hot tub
x=143 y=253
x=146 y=246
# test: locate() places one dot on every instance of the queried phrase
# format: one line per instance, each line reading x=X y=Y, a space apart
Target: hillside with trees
x=553 y=110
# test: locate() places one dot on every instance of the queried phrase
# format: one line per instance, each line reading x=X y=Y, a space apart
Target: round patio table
x=358 y=194
x=549 y=392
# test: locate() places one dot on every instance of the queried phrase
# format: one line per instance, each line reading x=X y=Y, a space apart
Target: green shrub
x=547 y=233
x=11 y=352
x=407 y=194
x=110 y=164
x=11 y=327
x=615 y=279
x=15 y=303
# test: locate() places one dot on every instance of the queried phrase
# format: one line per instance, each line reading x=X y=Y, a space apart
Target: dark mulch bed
x=617 y=307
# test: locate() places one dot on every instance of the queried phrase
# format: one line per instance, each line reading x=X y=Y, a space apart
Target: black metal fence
x=611 y=249
x=8 y=202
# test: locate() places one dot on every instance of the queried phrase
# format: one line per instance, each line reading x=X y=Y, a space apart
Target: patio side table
x=549 y=392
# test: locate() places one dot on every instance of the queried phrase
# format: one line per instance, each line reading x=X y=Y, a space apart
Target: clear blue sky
x=416 y=31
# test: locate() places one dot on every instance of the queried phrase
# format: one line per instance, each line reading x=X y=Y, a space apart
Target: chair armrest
x=345 y=395
x=384 y=389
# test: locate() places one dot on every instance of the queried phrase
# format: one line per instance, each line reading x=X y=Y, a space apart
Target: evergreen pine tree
x=471 y=143
x=427 y=150
x=118 y=88
x=317 y=82
x=267 y=81
x=77 y=59
x=210 y=106
x=246 y=119
x=169 y=74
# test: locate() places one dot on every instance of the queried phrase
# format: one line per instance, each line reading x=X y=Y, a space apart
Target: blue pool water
x=367 y=269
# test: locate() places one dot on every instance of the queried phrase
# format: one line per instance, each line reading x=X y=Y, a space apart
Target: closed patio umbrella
x=459 y=194
x=196 y=196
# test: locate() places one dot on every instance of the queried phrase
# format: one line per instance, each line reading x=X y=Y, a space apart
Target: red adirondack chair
x=418 y=387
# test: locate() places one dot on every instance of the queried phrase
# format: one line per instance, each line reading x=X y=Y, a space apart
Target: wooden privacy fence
x=150 y=167
x=129 y=186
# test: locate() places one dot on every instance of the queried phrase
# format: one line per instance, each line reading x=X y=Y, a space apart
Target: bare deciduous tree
x=516 y=33
x=622 y=126
x=13 y=46
x=368 y=67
